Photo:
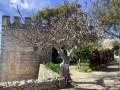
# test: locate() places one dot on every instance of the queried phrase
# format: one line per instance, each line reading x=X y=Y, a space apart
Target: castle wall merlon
x=28 y=20
x=5 y=20
x=18 y=24
x=17 y=20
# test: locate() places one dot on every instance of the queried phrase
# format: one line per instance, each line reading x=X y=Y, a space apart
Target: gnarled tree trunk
x=64 y=66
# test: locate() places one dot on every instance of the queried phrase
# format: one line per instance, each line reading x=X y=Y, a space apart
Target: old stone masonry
x=17 y=61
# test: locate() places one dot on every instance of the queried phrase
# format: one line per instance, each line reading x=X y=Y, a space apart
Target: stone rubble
x=50 y=84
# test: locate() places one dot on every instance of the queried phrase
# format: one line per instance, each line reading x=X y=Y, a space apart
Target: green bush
x=83 y=67
x=118 y=74
x=116 y=45
x=84 y=51
x=53 y=67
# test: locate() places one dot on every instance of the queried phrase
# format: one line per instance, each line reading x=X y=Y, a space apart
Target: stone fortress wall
x=17 y=61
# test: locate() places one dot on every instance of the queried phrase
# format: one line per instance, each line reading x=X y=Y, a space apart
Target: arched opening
x=56 y=59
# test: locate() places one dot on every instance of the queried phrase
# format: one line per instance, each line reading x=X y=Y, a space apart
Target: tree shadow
x=98 y=82
x=112 y=67
x=109 y=69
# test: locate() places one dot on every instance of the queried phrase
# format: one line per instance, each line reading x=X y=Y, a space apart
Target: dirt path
x=105 y=79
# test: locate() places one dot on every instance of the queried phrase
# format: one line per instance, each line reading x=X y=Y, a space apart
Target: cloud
x=22 y=4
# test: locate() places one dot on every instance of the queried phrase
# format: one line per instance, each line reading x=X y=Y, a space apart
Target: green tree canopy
x=106 y=13
x=47 y=12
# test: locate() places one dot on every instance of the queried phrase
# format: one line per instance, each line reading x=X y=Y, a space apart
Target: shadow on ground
x=106 y=83
x=104 y=79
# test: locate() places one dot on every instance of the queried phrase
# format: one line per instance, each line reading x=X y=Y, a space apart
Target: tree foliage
x=63 y=28
x=106 y=14
x=116 y=45
x=85 y=50
x=47 y=12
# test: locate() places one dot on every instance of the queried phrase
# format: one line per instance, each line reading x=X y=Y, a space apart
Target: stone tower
x=17 y=61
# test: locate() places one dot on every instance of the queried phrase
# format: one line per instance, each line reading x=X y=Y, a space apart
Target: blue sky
x=29 y=7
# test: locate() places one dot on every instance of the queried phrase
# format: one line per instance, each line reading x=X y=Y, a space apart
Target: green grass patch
x=83 y=67
x=53 y=67
x=118 y=74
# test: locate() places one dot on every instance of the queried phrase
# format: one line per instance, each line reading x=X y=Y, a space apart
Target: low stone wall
x=45 y=72
x=50 y=84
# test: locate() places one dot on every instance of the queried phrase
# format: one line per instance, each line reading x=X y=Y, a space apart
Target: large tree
x=64 y=28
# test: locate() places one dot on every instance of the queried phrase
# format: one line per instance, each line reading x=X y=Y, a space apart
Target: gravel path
x=105 y=79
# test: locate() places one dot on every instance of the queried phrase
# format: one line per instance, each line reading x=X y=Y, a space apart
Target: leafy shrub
x=84 y=51
x=116 y=45
x=118 y=74
x=84 y=67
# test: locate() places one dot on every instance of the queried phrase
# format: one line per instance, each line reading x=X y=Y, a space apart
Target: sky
x=29 y=7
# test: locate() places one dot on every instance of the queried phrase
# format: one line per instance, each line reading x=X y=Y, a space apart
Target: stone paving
x=105 y=79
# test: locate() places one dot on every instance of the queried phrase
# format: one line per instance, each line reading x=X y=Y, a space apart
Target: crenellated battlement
x=5 y=20
x=18 y=61
x=16 y=22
